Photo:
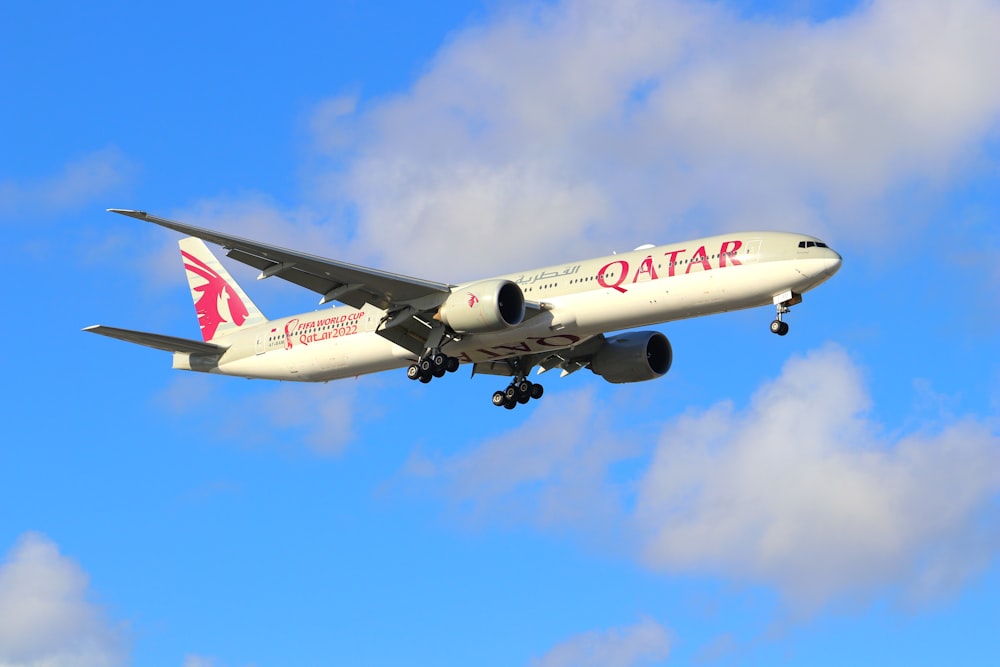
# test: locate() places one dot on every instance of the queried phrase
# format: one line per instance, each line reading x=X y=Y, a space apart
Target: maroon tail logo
x=216 y=295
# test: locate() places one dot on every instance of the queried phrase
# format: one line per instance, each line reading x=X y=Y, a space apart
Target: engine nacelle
x=490 y=305
x=633 y=357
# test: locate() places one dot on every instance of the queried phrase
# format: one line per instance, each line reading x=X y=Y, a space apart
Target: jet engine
x=490 y=305
x=633 y=357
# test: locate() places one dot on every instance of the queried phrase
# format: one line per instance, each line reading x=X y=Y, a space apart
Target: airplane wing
x=405 y=299
x=335 y=281
x=157 y=341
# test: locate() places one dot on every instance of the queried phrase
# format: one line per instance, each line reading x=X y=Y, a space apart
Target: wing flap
x=157 y=341
x=302 y=276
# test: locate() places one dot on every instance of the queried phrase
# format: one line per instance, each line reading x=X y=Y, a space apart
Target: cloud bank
x=578 y=124
x=558 y=131
x=46 y=617
x=800 y=489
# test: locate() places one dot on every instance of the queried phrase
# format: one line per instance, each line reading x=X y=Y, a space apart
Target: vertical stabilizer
x=222 y=306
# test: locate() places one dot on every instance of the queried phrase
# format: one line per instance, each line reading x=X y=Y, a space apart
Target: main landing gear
x=432 y=366
x=520 y=391
x=783 y=304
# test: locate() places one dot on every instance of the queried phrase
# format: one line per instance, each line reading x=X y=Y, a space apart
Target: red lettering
x=699 y=257
x=725 y=251
x=646 y=268
x=672 y=260
x=602 y=275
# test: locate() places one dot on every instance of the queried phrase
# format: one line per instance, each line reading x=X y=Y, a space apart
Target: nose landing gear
x=783 y=304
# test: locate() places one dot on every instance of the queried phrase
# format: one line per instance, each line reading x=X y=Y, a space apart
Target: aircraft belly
x=357 y=355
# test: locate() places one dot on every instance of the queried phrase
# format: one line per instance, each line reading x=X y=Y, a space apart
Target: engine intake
x=633 y=357
x=490 y=305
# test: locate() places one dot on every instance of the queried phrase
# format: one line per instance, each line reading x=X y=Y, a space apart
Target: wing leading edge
x=157 y=341
x=335 y=281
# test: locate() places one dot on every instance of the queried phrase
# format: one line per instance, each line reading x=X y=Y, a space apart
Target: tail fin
x=222 y=306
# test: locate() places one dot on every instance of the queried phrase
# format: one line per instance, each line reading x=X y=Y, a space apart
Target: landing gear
x=435 y=364
x=432 y=366
x=518 y=392
x=783 y=304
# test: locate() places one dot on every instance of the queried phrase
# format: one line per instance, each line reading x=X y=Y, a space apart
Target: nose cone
x=834 y=260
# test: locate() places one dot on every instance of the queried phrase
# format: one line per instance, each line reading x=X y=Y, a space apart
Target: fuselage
x=578 y=300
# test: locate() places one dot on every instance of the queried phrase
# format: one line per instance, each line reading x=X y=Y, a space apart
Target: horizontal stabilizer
x=158 y=341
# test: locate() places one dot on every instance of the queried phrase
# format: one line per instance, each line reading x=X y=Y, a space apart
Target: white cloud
x=324 y=415
x=803 y=491
x=78 y=183
x=566 y=126
x=321 y=416
x=800 y=490
x=46 y=618
x=563 y=130
x=551 y=471
x=645 y=643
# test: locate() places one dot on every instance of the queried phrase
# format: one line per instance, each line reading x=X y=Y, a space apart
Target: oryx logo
x=473 y=299
x=289 y=330
x=218 y=298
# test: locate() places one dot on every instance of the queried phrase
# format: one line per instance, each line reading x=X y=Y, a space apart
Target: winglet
x=139 y=215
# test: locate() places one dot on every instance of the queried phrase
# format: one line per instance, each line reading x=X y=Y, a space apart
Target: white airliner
x=553 y=317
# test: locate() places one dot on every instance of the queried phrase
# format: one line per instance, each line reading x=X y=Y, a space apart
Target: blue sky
x=827 y=497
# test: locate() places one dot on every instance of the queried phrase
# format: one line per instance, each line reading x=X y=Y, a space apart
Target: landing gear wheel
x=778 y=327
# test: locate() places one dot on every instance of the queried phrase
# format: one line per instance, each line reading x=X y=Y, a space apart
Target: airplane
x=556 y=317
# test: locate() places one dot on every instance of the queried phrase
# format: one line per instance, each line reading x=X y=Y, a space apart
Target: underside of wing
x=568 y=360
x=157 y=341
